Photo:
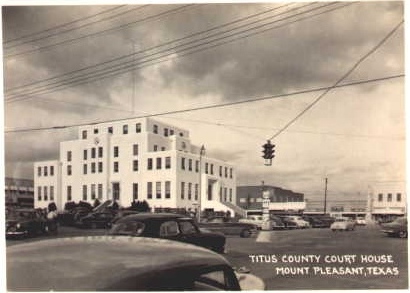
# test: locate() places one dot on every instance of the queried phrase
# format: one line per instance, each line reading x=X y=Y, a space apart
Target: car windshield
x=133 y=228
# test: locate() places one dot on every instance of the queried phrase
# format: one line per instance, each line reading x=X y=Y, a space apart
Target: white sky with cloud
x=354 y=135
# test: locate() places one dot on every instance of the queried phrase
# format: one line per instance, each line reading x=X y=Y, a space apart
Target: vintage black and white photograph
x=203 y=146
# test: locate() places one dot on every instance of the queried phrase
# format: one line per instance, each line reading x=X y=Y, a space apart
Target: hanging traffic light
x=268 y=153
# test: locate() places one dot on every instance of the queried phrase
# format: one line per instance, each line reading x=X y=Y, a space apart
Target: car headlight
x=18 y=226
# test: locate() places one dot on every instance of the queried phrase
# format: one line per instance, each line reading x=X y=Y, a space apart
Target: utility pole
x=324 y=208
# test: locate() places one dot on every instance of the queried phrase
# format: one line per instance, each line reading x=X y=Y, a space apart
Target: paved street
x=311 y=258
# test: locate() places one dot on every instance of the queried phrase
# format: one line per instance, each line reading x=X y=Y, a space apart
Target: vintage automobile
x=253 y=219
x=25 y=222
x=96 y=220
x=122 y=213
x=396 y=228
x=315 y=221
x=120 y=263
x=361 y=221
x=168 y=226
x=288 y=222
x=300 y=222
x=343 y=224
x=227 y=226
x=277 y=223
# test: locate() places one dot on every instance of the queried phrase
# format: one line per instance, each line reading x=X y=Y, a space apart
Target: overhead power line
x=374 y=49
x=124 y=57
x=61 y=25
x=112 y=71
x=148 y=18
x=59 y=33
x=211 y=106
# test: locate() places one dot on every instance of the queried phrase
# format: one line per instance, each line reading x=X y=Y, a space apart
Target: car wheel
x=245 y=233
x=403 y=234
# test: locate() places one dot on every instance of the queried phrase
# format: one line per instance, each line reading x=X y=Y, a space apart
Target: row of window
x=94 y=190
x=137 y=129
x=44 y=171
x=45 y=193
x=389 y=197
x=187 y=164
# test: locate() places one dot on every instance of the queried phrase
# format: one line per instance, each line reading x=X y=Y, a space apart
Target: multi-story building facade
x=282 y=201
x=136 y=159
x=387 y=200
x=19 y=192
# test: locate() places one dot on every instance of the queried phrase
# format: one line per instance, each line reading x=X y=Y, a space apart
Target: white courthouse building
x=135 y=159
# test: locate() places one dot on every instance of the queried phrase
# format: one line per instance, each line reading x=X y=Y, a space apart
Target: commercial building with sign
x=137 y=159
x=387 y=200
x=281 y=201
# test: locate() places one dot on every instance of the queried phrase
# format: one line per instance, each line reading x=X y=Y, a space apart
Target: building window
x=149 y=166
x=181 y=134
x=100 y=191
x=84 y=192
x=85 y=169
x=398 y=197
x=149 y=190
x=155 y=129
x=93 y=153
x=84 y=134
x=69 y=154
x=92 y=167
x=69 y=193
x=162 y=148
x=116 y=190
x=155 y=148
x=190 y=164
x=158 y=189
x=171 y=132
x=220 y=194
x=209 y=192
x=100 y=167
x=93 y=191
x=225 y=194
x=159 y=163
x=380 y=197
x=206 y=168
x=167 y=162
x=230 y=173
x=45 y=192
x=165 y=131
x=135 y=191
x=135 y=165
x=167 y=189
x=212 y=169
x=125 y=129
x=39 y=171
x=389 y=197
x=69 y=171
x=220 y=171
x=116 y=167
x=51 y=170
x=135 y=150
x=230 y=194
x=196 y=166
x=39 y=193
x=189 y=190
x=45 y=171
x=85 y=154
x=51 y=192
x=100 y=152
x=183 y=163
x=196 y=191
x=226 y=172
x=138 y=127
x=116 y=152
x=182 y=190
x=95 y=130
x=110 y=130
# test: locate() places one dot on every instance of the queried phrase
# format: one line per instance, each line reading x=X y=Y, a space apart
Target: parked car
x=228 y=226
x=277 y=223
x=122 y=213
x=168 y=226
x=301 y=224
x=96 y=220
x=396 y=228
x=288 y=222
x=106 y=263
x=315 y=221
x=361 y=221
x=25 y=222
x=343 y=224
x=256 y=220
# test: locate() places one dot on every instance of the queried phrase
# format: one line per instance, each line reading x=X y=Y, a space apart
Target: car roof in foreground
x=99 y=262
x=147 y=216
